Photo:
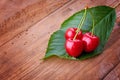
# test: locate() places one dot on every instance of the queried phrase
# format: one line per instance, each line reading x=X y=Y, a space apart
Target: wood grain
x=17 y=15
x=114 y=74
x=20 y=55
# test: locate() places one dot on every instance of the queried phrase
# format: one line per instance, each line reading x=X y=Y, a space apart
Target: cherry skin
x=74 y=47
x=90 y=42
x=70 y=33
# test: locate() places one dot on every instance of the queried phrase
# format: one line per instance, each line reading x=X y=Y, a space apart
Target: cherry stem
x=93 y=25
x=82 y=20
x=81 y=23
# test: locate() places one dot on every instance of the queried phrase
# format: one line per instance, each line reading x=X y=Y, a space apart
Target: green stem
x=93 y=22
x=80 y=24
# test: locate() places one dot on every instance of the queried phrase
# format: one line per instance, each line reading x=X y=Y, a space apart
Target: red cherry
x=74 y=47
x=90 y=42
x=70 y=33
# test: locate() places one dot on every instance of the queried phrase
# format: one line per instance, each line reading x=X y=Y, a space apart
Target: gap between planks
x=114 y=75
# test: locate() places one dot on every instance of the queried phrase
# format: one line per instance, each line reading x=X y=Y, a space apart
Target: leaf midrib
x=103 y=18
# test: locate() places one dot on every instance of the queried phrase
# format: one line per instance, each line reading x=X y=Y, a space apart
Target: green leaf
x=104 y=21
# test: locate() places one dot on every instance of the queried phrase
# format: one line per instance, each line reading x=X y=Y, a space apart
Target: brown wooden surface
x=25 y=28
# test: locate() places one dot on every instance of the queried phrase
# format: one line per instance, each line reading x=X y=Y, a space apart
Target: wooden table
x=25 y=28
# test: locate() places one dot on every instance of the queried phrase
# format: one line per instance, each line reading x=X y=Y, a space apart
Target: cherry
x=71 y=32
x=74 y=44
x=74 y=47
x=90 y=42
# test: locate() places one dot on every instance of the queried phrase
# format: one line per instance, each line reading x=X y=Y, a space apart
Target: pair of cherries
x=83 y=42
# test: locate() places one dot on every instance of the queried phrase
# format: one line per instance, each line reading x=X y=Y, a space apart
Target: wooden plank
x=23 y=52
x=114 y=74
x=17 y=15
